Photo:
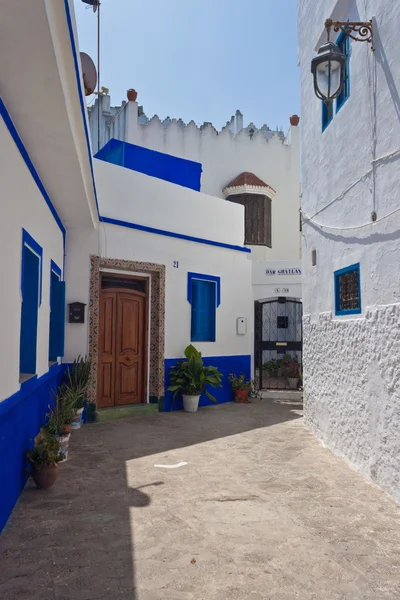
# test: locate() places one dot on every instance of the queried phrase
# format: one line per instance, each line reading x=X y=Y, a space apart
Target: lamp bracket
x=360 y=31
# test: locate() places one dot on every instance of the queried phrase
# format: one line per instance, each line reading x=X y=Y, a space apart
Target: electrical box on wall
x=76 y=312
x=241 y=326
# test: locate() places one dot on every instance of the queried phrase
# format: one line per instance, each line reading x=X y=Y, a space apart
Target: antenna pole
x=98 y=76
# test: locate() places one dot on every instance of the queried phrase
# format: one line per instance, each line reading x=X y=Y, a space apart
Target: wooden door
x=122 y=352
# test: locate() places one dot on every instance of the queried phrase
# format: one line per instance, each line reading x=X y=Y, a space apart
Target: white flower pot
x=77 y=422
x=190 y=403
x=293 y=382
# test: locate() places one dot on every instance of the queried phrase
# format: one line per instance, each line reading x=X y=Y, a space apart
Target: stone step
x=105 y=415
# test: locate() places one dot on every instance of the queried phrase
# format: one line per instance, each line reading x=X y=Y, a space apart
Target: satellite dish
x=94 y=3
x=89 y=73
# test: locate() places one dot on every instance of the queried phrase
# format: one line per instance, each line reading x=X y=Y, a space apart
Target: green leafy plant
x=239 y=382
x=63 y=411
x=45 y=452
x=272 y=365
x=190 y=377
x=78 y=379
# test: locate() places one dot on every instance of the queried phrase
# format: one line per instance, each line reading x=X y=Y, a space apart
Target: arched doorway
x=278 y=330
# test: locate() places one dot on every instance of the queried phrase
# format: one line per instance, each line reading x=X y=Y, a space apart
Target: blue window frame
x=31 y=289
x=57 y=313
x=343 y=42
x=348 y=291
x=204 y=294
x=327 y=115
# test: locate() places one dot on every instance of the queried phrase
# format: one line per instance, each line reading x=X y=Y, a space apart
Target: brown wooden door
x=122 y=348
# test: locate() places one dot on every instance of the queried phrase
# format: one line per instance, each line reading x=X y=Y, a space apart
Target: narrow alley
x=258 y=510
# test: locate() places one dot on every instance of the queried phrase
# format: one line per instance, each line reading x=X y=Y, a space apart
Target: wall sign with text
x=283 y=271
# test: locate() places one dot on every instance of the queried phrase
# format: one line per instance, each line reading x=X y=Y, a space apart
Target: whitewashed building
x=351 y=240
x=126 y=262
x=257 y=168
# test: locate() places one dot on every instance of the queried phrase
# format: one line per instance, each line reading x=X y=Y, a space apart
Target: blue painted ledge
x=226 y=364
x=21 y=416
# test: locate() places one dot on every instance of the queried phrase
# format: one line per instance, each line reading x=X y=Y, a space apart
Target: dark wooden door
x=122 y=348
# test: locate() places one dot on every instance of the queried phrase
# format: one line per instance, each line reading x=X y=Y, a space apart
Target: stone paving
x=260 y=511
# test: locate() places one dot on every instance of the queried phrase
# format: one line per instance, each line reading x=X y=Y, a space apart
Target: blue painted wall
x=226 y=364
x=20 y=418
x=186 y=173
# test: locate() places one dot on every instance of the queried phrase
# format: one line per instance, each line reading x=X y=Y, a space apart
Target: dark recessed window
x=348 y=291
x=283 y=322
x=257 y=218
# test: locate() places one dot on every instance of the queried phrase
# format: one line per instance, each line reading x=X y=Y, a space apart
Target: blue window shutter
x=29 y=310
x=203 y=311
x=57 y=319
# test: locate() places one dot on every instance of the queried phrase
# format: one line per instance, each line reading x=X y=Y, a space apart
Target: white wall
x=130 y=196
x=224 y=156
x=276 y=278
x=137 y=198
x=234 y=268
x=23 y=206
x=351 y=370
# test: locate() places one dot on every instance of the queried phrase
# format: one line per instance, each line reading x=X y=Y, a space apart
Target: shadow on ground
x=75 y=541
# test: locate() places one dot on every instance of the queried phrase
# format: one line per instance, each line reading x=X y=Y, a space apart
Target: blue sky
x=198 y=59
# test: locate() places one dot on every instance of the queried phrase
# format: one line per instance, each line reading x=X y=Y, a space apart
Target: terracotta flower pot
x=45 y=477
x=294 y=120
x=241 y=396
x=132 y=95
x=67 y=428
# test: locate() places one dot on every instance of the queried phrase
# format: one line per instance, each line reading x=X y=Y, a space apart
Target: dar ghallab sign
x=283 y=272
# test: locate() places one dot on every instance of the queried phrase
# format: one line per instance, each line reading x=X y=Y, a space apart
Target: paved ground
x=260 y=511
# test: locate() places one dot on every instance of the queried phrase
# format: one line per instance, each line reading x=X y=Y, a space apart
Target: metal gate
x=278 y=330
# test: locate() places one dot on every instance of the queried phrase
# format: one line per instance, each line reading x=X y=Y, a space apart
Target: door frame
x=113 y=275
x=156 y=323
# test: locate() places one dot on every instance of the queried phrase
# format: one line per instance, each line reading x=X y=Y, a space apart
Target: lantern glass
x=329 y=78
x=328 y=68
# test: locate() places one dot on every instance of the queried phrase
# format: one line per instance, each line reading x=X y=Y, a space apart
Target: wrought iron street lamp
x=328 y=70
x=328 y=67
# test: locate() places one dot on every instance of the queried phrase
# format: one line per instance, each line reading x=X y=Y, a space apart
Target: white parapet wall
x=133 y=197
x=270 y=154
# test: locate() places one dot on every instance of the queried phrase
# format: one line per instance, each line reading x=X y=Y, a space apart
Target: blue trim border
x=203 y=277
x=27 y=240
x=81 y=101
x=352 y=311
x=55 y=269
x=22 y=150
x=180 y=236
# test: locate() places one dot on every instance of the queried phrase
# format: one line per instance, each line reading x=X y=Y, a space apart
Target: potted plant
x=43 y=459
x=291 y=370
x=78 y=378
x=270 y=367
x=241 y=387
x=60 y=417
x=191 y=377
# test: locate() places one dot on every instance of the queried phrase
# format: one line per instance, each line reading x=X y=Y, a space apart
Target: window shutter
x=204 y=304
x=257 y=218
x=268 y=222
x=57 y=320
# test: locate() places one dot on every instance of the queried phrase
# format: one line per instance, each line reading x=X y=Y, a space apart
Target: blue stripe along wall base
x=226 y=364
x=21 y=416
